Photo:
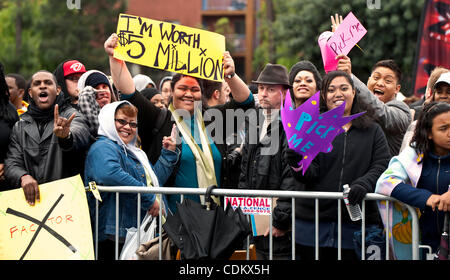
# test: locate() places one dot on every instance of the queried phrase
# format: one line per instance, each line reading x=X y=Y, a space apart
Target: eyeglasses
x=124 y=123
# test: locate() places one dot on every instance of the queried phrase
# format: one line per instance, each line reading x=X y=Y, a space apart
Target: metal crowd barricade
x=317 y=196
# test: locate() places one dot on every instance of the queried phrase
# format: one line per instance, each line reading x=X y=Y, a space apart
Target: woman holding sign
x=202 y=161
x=358 y=157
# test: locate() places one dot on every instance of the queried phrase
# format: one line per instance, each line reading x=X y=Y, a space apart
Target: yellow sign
x=57 y=227
x=171 y=47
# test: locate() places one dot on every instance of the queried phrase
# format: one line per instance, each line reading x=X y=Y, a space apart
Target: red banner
x=434 y=46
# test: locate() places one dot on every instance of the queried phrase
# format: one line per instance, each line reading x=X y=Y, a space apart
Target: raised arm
x=119 y=71
x=147 y=111
x=239 y=89
x=394 y=118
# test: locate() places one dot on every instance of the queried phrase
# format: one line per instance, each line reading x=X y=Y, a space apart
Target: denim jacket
x=111 y=162
x=109 y=165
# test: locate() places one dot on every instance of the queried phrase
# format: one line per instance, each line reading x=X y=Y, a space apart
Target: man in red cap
x=68 y=73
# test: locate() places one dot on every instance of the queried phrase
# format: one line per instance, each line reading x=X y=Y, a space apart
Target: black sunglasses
x=124 y=123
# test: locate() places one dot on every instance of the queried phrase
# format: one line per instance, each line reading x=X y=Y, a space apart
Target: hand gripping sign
x=170 y=47
x=346 y=36
x=58 y=227
x=308 y=132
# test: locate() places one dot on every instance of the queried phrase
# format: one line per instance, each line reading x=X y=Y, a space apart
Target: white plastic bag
x=147 y=233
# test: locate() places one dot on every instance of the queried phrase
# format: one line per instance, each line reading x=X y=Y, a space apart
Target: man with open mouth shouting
x=379 y=98
x=47 y=140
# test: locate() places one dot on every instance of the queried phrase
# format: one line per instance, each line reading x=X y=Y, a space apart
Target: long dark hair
x=420 y=141
x=7 y=111
x=362 y=121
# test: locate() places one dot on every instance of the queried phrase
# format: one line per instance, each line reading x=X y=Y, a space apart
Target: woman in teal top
x=186 y=175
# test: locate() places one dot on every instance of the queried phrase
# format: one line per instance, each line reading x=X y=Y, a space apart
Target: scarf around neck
x=107 y=128
x=44 y=116
x=206 y=175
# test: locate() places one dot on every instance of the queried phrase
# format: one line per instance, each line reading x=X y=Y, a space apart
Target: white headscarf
x=108 y=129
x=141 y=81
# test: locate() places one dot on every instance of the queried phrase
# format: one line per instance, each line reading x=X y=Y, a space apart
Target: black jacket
x=359 y=156
x=8 y=118
x=263 y=166
x=46 y=157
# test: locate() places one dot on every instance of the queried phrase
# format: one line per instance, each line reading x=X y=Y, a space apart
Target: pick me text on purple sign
x=308 y=132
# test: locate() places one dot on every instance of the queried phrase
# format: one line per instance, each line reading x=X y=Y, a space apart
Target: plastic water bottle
x=353 y=210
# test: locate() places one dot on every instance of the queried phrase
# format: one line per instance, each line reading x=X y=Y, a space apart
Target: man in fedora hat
x=263 y=166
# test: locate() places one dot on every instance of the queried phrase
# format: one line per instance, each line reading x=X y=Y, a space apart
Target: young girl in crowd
x=420 y=176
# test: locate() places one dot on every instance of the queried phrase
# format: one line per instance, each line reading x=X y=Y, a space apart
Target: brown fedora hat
x=273 y=74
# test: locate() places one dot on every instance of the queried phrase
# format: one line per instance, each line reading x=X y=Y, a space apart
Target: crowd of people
x=121 y=130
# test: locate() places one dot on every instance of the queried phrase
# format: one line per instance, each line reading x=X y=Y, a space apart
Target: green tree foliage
x=78 y=33
x=51 y=32
x=19 y=56
x=392 y=33
x=222 y=26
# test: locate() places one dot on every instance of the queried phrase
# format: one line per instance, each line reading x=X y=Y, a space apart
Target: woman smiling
x=305 y=81
x=358 y=157
x=114 y=160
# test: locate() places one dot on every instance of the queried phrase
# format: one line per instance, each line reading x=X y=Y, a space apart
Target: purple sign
x=308 y=132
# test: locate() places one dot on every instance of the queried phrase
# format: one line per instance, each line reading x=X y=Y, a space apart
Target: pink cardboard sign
x=347 y=35
x=328 y=56
x=308 y=132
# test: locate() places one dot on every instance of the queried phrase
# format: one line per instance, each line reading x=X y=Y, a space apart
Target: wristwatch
x=230 y=76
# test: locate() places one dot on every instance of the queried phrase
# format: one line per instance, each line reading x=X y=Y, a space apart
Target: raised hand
x=170 y=142
x=111 y=44
x=344 y=63
x=335 y=22
x=228 y=64
x=61 y=125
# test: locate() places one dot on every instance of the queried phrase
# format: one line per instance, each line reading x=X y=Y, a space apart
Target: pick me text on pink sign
x=347 y=35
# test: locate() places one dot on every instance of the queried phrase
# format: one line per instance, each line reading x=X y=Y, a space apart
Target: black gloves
x=356 y=194
x=292 y=158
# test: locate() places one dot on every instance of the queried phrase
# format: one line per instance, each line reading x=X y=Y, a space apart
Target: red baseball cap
x=73 y=66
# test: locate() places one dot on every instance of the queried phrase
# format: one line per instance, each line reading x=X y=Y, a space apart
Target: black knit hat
x=95 y=79
x=149 y=92
x=307 y=66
